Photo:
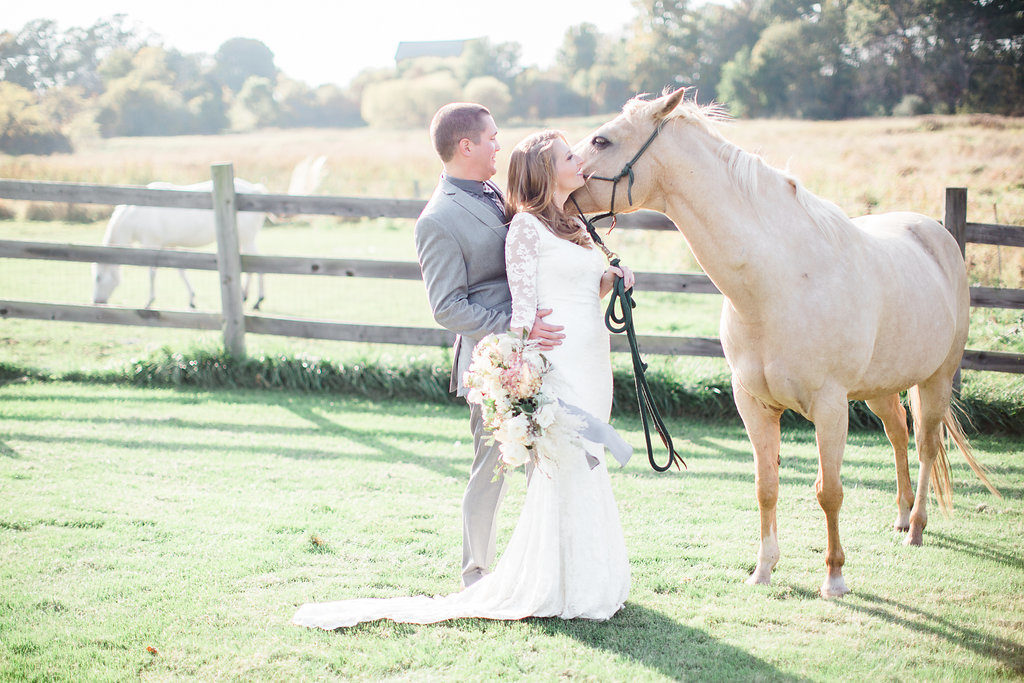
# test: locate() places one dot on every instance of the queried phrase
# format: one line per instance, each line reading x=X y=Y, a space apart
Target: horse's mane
x=746 y=168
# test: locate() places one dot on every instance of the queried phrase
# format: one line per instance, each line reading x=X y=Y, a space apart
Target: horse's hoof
x=901 y=526
x=833 y=588
x=759 y=578
x=913 y=538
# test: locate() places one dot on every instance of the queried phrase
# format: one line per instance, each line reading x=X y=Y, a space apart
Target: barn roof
x=410 y=49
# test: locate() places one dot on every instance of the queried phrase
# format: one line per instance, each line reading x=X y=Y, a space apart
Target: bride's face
x=568 y=175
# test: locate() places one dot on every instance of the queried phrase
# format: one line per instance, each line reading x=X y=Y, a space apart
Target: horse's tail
x=956 y=433
x=950 y=429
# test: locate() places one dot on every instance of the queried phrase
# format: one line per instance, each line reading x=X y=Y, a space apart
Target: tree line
x=760 y=58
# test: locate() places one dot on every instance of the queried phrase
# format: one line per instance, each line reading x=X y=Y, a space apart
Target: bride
x=566 y=557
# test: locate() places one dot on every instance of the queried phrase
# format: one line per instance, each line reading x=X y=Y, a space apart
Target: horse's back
x=915 y=237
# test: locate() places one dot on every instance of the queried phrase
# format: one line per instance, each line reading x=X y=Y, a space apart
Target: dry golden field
x=864 y=165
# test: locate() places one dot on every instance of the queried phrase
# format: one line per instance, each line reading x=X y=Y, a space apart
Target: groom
x=460 y=241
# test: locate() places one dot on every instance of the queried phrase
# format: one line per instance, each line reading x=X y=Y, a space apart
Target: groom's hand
x=549 y=336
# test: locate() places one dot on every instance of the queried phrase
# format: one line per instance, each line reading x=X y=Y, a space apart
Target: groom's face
x=482 y=156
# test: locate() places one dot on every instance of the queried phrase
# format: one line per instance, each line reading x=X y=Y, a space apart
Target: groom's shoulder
x=441 y=207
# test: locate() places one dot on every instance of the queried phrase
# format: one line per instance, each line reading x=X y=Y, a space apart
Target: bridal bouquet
x=507 y=380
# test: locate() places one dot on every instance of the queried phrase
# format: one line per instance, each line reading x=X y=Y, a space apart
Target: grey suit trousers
x=480 y=503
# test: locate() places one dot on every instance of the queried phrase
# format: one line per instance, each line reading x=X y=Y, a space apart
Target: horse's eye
x=600 y=142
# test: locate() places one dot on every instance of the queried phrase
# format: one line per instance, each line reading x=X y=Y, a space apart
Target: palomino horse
x=818 y=310
x=158 y=227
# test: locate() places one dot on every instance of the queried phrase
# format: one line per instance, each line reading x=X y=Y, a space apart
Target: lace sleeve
x=522 y=246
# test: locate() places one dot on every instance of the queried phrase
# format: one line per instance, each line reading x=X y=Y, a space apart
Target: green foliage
x=133 y=106
x=24 y=126
x=911 y=105
x=239 y=59
x=483 y=58
x=491 y=93
x=255 y=106
x=770 y=58
x=986 y=409
x=579 y=48
x=402 y=103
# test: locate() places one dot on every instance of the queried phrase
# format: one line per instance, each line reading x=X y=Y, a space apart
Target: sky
x=318 y=41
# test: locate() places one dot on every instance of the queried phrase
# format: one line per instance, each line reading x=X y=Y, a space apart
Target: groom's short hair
x=452 y=123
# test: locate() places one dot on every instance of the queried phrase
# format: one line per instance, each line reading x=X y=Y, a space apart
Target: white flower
x=507 y=345
x=546 y=415
x=514 y=454
x=515 y=430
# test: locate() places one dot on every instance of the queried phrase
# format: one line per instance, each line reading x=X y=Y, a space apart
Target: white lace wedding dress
x=566 y=557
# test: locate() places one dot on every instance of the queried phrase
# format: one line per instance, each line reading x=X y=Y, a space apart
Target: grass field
x=194 y=523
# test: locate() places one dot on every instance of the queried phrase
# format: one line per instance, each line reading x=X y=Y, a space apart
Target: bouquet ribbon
x=600 y=432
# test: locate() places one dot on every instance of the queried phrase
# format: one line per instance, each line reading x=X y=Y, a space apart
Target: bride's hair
x=531 y=186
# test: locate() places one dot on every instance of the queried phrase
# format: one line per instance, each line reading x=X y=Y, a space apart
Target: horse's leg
x=250 y=248
x=762 y=423
x=152 y=287
x=894 y=418
x=831 y=422
x=260 y=293
x=188 y=286
x=929 y=402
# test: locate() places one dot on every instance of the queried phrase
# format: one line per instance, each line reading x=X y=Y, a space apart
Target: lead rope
x=622 y=321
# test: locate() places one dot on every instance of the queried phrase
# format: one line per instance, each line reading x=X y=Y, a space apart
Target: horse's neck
x=119 y=232
x=744 y=226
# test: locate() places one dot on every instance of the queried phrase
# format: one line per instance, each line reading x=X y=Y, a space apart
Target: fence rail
x=235 y=323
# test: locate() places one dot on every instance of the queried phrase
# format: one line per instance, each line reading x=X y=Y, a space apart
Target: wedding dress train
x=566 y=557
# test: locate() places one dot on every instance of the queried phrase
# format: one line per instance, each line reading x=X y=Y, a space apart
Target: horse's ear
x=665 y=105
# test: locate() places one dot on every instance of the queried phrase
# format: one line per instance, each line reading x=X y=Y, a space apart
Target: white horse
x=157 y=227
x=818 y=310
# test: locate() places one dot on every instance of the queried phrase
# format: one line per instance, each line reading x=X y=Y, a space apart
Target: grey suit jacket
x=461 y=248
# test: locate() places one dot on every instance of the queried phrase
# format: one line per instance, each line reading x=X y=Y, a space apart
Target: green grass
x=194 y=523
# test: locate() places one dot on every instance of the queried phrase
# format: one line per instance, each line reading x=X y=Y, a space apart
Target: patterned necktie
x=496 y=199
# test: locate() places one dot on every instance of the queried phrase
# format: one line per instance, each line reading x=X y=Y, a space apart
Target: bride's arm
x=522 y=247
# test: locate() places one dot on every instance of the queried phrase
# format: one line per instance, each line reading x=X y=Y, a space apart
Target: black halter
x=626 y=172
x=619 y=318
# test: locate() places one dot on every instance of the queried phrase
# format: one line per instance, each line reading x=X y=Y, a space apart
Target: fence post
x=229 y=262
x=956 y=222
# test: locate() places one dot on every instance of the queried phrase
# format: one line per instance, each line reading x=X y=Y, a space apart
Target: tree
x=953 y=53
x=239 y=59
x=579 y=49
x=24 y=127
x=482 y=58
x=132 y=106
x=40 y=56
x=491 y=93
x=254 y=106
x=539 y=95
x=674 y=44
x=408 y=103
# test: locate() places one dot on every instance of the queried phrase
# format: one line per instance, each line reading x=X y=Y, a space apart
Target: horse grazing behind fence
x=157 y=227
x=818 y=309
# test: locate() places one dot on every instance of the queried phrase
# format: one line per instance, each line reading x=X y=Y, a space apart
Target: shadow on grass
x=959 y=545
x=663 y=645
x=1009 y=653
x=8 y=452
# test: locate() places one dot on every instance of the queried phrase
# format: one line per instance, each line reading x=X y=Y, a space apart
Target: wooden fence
x=235 y=323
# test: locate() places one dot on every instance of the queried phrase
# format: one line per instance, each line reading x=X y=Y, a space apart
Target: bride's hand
x=608 y=279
